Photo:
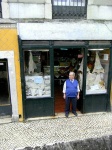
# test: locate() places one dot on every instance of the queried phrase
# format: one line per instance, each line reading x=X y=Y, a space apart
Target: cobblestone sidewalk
x=38 y=133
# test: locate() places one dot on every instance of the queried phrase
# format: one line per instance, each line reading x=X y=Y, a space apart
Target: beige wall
x=19 y=9
x=29 y=1
x=42 y=9
x=99 y=10
x=100 y=2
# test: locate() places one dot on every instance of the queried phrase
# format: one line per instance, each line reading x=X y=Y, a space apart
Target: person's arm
x=78 y=90
x=64 y=90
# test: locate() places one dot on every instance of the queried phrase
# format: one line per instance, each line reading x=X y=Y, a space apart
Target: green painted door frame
x=97 y=102
x=36 y=107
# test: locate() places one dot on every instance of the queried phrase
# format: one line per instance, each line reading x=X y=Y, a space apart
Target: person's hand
x=64 y=96
x=77 y=97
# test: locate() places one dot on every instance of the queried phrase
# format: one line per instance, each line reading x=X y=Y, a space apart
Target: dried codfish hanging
x=94 y=81
x=99 y=82
x=98 y=67
x=80 y=70
x=32 y=65
x=90 y=79
x=81 y=67
x=80 y=80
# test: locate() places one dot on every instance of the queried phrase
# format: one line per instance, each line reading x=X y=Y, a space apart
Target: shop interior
x=65 y=60
x=4 y=83
x=38 y=78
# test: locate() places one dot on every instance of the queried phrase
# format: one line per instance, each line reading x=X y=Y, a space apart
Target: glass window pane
x=97 y=71
x=37 y=73
x=69 y=2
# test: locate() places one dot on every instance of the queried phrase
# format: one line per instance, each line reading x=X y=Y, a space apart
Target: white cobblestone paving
x=50 y=131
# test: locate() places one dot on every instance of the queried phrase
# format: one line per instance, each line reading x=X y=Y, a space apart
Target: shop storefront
x=45 y=66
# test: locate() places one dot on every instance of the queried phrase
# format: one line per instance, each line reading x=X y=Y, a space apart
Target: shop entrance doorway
x=66 y=60
x=5 y=103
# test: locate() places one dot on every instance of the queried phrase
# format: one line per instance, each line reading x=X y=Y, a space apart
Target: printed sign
x=38 y=80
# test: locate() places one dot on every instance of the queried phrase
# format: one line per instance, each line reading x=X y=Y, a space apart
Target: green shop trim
x=45 y=106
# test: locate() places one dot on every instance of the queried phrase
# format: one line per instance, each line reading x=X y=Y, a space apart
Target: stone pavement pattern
x=50 y=131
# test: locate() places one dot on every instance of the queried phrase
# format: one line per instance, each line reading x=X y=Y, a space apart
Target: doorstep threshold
x=62 y=115
x=57 y=115
x=5 y=119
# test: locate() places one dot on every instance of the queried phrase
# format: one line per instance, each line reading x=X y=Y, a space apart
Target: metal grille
x=0 y=9
x=69 y=9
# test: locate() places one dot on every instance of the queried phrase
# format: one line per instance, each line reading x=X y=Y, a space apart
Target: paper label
x=38 y=80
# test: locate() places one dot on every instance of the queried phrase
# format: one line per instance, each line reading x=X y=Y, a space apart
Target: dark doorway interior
x=65 y=60
x=4 y=83
x=59 y=101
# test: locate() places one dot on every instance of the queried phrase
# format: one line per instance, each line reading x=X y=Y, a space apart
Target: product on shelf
x=95 y=80
x=38 y=86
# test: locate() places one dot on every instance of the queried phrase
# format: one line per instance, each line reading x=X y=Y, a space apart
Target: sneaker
x=66 y=115
x=76 y=114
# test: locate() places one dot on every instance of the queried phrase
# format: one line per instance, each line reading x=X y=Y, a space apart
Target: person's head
x=71 y=75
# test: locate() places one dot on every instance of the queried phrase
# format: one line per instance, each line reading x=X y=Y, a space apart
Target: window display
x=97 y=71
x=37 y=80
x=80 y=75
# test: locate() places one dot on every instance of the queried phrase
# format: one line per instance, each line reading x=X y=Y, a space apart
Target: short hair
x=71 y=72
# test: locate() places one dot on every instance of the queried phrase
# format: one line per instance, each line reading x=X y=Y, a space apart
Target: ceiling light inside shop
x=44 y=50
x=39 y=50
x=95 y=49
x=63 y=49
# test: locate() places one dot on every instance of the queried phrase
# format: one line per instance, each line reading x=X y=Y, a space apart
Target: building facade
x=10 y=81
x=58 y=36
x=9 y=72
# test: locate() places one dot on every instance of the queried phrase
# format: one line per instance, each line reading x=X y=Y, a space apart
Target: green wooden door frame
x=51 y=48
x=109 y=79
x=22 y=48
x=22 y=75
x=106 y=106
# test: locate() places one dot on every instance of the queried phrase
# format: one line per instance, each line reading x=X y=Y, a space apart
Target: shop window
x=37 y=73
x=97 y=71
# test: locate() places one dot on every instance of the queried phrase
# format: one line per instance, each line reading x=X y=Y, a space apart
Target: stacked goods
x=95 y=80
x=37 y=86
